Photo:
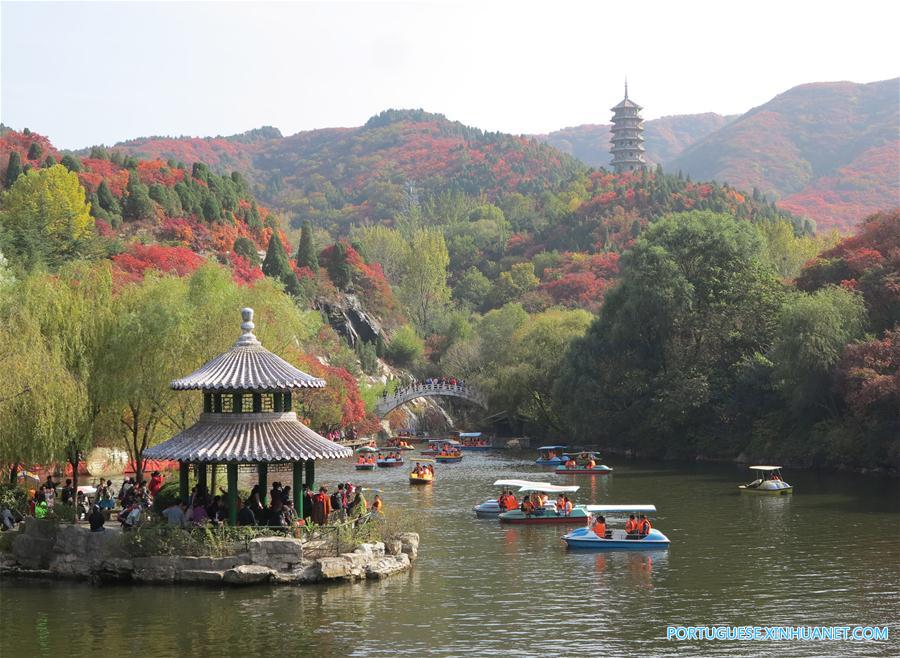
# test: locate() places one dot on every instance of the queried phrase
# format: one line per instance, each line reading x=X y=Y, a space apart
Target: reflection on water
x=826 y=555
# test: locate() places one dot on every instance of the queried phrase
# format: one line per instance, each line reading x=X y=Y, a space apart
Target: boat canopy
x=367 y=449
x=764 y=468
x=470 y=435
x=520 y=483
x=537 y=487
x=421 y=460
x=612 y=509
x=552 y=447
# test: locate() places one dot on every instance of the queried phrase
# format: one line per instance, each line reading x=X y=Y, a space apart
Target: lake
x=827 y=555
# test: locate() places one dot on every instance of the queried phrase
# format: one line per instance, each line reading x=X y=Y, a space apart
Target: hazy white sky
x=88 y=73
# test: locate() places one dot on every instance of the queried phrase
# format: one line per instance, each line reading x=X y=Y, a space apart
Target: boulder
x=377 y=549
x=248 y=574
x=114 y=569
x=332 y=568
x=279 y=553
x=200 y=576
x=191 y=563
x=155 y=569
x=393 y=546
x=387 y=566
x=409 y=544
x=33 y=546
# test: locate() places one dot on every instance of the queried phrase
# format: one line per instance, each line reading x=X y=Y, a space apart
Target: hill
x=338 y=177
x=666 y=137
x=826 y=150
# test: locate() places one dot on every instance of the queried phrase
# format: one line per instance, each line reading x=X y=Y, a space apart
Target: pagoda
x=627 y=136
x=248 y=418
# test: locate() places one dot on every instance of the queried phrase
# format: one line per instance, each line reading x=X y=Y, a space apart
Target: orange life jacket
x=591 y=464
x=631 y=526
x=599 y=529
x=645 y=527
x=569 y=506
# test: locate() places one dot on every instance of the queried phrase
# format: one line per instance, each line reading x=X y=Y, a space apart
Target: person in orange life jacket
x=511 y=502
x=571 y=463
x=644 y=527
x=599 y=527
x=527 y=506
x=560 y=505
x=631 y=527
x=568 y=506
x=591 y=463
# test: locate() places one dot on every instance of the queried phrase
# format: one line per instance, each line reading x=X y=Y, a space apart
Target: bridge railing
x=413 y=391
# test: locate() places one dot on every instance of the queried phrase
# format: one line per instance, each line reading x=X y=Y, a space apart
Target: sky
x=92 y=73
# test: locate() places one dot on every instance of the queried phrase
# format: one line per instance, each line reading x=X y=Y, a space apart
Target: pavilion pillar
x=232 y=493
x=183 y=481
x=297 y=489
x=311 y=474
x=201 y=477
x=262 y=472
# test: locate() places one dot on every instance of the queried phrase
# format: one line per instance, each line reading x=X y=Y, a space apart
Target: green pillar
x=217 y=403
x=237 y=403
x=297 y=489
x=257 y=403
x=311 y=474
x=183 y=480
x=232 y=493
x=277 y=400
x=287 y=402
x=262 y=471
x=201 y=476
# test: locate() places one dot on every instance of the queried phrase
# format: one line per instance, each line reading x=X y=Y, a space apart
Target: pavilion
x=248 y=419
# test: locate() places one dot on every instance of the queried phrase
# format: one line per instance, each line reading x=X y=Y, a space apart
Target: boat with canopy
x=422 y=474
x=542 y=514
x=366 y=459
x=490 y=509
x=616 y=539
x=551 y=456
x=436 y=445
x=585 y=463
x=390 y=461
x=768 y=482
x=471 y=441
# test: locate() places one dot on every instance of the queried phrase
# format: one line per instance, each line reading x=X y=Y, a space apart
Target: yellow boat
x=426 y=477
x=768 y=483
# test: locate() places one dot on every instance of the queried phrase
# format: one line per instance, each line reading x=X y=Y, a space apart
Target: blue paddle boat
x=551 y=456
x=472 y=441
x=490 y=509
x=616 y=539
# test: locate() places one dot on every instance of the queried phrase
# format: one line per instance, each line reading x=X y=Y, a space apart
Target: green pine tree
x=70 y=163
x=14 y=169
x=277 y=266
x=49 y=161
x=34 y=151
x=106 y=199
x=306 y=252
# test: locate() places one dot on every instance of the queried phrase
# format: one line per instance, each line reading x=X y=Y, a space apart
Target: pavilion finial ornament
x=247 y=326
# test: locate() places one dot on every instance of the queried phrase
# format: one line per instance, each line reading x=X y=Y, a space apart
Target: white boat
x=617 y=539
x=769 y=482
x=490 y=509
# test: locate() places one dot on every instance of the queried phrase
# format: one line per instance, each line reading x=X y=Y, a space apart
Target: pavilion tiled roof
x=248 y=438
x=247 y=366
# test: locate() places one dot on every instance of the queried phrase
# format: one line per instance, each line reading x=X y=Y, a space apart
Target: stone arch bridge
x=412 y=391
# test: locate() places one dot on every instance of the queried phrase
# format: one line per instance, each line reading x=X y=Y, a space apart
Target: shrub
x=405 y=347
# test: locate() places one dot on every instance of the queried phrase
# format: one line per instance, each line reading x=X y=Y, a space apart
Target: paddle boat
x=389 y=461
x=426 y=476
x=436 y=445
x=398 y=443
x=573 y=467
x=449 y=457
x=366 y=461
x=616 y=539
x=490 y=509
x=577 y=515
x=768 y=483
x=472 y=441
x=551 y=456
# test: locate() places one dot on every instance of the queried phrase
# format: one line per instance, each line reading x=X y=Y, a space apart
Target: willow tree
x=424 y=289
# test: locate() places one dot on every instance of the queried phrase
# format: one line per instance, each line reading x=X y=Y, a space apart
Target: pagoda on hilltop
x=627 y=136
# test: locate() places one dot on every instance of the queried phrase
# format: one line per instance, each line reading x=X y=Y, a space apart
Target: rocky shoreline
x=57 y=551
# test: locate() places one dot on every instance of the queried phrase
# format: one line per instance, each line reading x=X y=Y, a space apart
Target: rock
x=409 y=544
x=279 y=553
x=332 y=568
x=387 y=566
x=248 y=574
x=33 y=546
x=114 y=569
x=155 y=569
x=348 y=318
x=393 y=546
x=376 y=549
x=200 y=576
x=70 y=564
x=191 y=563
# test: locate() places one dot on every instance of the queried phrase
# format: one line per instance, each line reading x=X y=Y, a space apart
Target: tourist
x=131 y=517
x=591 y=463
x=377 y=505
x=156 y=483
x=569 y=506
x=105 y=495
x=68 y=493
x=245 y=516
x=81 y=507
x=277 y=517
x=359 y=506
x=199 y=516
x=218 y=514
x=321 y=507
x=174 y=513
x=570 y=463
x=560 y=505
x=337 y=498
x=308 y=500
x=7 y=519
x=41 y=508
x=96 y=519
x=275 y=492
x=644 y=528
x=254 y=504
x=49 y=495
x=527 y=506
x=631 y=527
x=286 y=496
x=511 y=502
x=599 y=527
